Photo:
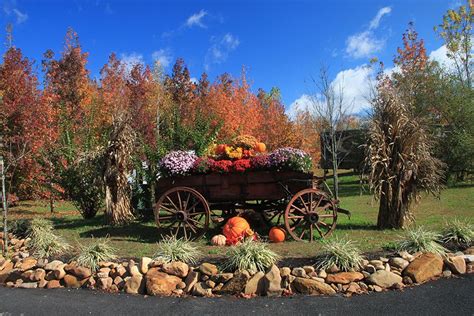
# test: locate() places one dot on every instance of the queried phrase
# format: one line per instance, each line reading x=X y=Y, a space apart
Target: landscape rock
x=370 y=268
x=456 y=264
x=105 y=283
x=344 y=277
x=79 y=272
x=201 y=289
x=299 y=272
x=235 y=285
x=447 y=273
x=469 y=258
x=308 y=269
x=384 y=279
x=285 y=271
x=272 y=282
x=28 y=263
x=399 y=263
x=177 y=268
x=312 y=287
x=255 y=285
x=71 y=281
x=208 y=269
x=224 y=277
x=144 y=264
x=28 y=285
x=322 y=274
x=38 y=275
x=53 y=265
x=424 y=267
x=135 y=285
x=160 y=283
x=405 y=255
x=59 y=273
x=191 y=279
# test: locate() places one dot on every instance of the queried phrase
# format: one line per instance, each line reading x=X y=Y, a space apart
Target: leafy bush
x=458 y=233
x=98 y=250
x=419 y=239
x=251 y=255
x=44 y=242
x=82 y=182
x=339 y=252
x=172 y=249
x=18 y=227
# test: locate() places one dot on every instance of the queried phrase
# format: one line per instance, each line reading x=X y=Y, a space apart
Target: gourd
x=218 y=240
x=277 y=234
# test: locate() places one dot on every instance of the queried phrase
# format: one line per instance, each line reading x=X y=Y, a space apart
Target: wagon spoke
x=319 y=230
x=326 y=216
x=192 y=227
x=165 y=218
x=324 y=224
x=192 y=207
x=171 y=201
x=185 y=233
x=179 y=201
x=297 y=208
x=295 y=216
x=167 y=209
x=304 y=203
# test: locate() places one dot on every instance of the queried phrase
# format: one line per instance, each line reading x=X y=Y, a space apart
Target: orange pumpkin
x=260 y=147
x=218 y=240
x=277 y=234
x=220 y=149
x=235 y=229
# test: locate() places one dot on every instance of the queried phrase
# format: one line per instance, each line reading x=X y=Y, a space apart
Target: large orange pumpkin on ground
x=235 y=229
x=277 y=234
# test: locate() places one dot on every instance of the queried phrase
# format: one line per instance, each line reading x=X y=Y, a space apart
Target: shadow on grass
x=356 y=226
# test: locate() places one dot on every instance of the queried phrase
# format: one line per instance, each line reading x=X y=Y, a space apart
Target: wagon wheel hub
x=181 y=216
x=312 y=218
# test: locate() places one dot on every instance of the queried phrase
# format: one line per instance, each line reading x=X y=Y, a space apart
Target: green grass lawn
x=140 y=238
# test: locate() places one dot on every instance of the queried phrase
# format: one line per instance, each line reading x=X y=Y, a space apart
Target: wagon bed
x=187 y=204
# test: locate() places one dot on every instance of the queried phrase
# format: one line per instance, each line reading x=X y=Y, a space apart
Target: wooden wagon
x=187 y=205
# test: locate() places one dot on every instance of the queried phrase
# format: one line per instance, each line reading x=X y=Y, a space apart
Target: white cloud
x=303 y=103
x=163 y=56
x=365 y=44
x=440 y=55
x=220 y=50
x=376 y=20
x=196 y=19
x=130 y=60
x=10 y=9
x=355 y=84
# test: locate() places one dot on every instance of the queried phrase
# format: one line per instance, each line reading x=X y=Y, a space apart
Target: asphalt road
x=443 y=297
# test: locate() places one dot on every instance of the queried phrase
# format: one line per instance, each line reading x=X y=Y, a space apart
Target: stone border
x=150 y=277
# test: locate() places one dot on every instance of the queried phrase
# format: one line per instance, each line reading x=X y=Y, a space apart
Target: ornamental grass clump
x=458 y=233
x=177 y=163
x=173 y=249
x=341 y=253
x=44 y=242
x=249 y=255
x=419 y=239
x=99 y=250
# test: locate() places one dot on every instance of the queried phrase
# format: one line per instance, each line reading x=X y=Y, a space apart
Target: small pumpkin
x=260 y=147
x=220 y=149
x=235 y=229
x=277 y=234
x=218 y=240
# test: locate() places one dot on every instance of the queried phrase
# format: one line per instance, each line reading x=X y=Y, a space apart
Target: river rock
x=71 y=281
x=399 y=263
x=456 y=264
x=235 y=285
x=424 y=267
x=285 y=271
x=144 y=264
x=38 y=275
x=27 y=264
x=53 y=265
x=299 y=272
x=344 y=277
x=272 y=282
x=28 y=285
x=191 y=279
x=201 y=289
x=312 y=287
x=135 y=285
x=255 y=285
x=384 y=279
x=178 y=268
x=160 y=283
x=208 y=269
x=79 y=272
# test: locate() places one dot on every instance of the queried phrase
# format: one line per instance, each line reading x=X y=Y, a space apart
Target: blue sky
x=281 y=43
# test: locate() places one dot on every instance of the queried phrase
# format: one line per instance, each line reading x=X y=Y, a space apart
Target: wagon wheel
x=272 y=213
x=183 y=212
x=310 y=214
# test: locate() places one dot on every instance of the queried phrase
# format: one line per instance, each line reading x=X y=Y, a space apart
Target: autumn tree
x=21 y=127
